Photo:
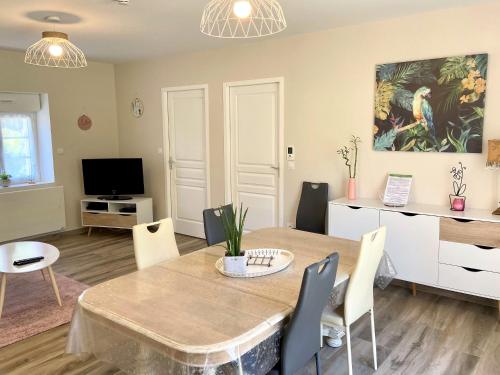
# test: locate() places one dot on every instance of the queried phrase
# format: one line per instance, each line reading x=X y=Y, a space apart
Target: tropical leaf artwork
x=432 y=105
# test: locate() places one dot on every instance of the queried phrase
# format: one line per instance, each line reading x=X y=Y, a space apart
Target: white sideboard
x=112 y=215
x=428 y=244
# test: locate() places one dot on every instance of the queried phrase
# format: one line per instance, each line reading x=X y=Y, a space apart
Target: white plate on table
x=281 y=260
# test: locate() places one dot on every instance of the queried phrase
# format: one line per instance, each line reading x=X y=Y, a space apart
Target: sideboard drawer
x=473 y=256
x=483 y=283
x=351 y=222
x=108 y=220
x=470 y=232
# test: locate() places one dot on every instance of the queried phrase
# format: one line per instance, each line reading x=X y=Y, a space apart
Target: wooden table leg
x=498 y=309
x=43 y=275
x=54 y=285
x=89 y=232
x=413 y=289
x=2 y=291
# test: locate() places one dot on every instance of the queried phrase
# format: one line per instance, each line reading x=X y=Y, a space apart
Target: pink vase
x=351 y=189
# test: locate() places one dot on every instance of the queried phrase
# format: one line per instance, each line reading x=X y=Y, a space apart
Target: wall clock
x=84 y=122
x=137 y=107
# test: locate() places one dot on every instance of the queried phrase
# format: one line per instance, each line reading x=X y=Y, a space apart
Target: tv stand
x=116 y=213
x=114 y=197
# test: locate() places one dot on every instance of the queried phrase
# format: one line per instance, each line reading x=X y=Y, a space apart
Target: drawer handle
x=462 y=220
x=408 y=214
x=485 y=247
x=354 y=207
x=471 y=269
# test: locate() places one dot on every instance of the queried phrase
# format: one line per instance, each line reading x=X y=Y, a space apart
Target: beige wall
x=329 y=88
x=71 y=93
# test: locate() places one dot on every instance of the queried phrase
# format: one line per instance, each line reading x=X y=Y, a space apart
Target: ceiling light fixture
x=55 y=50
x=242 y=18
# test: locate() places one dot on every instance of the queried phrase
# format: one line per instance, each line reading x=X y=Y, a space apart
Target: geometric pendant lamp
x=242 y=18
x=55 y=50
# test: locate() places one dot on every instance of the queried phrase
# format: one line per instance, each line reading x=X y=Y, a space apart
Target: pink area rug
x=31 y=307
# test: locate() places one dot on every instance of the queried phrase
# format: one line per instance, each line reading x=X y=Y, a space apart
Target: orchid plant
x=458 y=178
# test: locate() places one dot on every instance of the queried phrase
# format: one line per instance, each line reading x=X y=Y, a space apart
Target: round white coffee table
x=22 y=250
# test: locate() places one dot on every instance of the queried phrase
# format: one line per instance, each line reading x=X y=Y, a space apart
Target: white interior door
x=187 y=163
x=254 y=151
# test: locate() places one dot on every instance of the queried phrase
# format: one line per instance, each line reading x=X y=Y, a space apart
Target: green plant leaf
x=403 y=98
x=482 y=64
x=384 y=141
x=453 y=68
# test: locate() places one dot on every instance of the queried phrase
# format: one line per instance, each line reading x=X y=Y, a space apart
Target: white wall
x=71 y=92
x=329 y=89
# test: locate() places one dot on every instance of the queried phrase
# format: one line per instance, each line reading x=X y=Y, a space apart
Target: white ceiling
x=106 y=31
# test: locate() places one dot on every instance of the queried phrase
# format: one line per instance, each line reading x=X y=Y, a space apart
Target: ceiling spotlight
x=242 y=9
x=122 y=2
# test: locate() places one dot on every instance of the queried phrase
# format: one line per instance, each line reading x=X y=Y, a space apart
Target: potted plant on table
x=5 y=179
x=457 y=200
x=350 y=156
x=235 y=260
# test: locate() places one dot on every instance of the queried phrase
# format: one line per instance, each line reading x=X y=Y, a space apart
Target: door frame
x=166 y=141
x=281 y=139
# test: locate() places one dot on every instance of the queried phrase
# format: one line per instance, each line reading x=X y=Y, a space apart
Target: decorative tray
x=260 y=262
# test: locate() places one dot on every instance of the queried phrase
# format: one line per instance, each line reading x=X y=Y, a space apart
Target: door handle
x=462 y=220
x=485 y=247
x=408 y=214
x=471 y=269
x=275 y=168
x=171 y=162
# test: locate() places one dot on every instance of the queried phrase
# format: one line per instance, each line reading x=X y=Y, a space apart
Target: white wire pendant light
x=55 y=50
x=242 y=18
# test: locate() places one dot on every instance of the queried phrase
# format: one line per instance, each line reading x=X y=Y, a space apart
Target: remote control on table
x=22 y=262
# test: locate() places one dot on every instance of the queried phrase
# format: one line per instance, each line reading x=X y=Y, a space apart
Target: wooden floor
x=426 y=334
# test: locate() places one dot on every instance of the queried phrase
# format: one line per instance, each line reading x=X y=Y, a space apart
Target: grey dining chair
x=214 y=229
x=302 y=336
x=311 y=213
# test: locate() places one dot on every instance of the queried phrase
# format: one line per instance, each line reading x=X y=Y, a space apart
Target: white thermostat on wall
x=290 y=153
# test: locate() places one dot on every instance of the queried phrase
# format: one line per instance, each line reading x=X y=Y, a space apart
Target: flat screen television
x=113 y=179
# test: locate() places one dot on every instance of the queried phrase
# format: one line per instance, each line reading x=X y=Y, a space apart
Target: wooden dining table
x=183 y=312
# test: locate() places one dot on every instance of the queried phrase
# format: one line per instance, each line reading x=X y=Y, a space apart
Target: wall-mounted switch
x=290 y=153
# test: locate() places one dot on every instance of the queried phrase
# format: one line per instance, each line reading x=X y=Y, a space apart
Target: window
x=18 y=147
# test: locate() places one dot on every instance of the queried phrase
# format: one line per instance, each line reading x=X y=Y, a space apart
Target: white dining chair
x=152 y=247
x=359 y=295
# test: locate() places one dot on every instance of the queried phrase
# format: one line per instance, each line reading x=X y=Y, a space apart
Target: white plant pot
x=5 y=183
x=235 y=264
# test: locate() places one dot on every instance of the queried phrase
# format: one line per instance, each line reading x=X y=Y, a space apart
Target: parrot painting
x=422 y=110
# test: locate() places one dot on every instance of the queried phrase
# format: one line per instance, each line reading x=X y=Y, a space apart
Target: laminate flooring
x=426 y=334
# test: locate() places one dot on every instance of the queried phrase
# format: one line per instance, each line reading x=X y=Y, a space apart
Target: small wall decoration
x=137 y=107
x=84 y=122
x=432 y=105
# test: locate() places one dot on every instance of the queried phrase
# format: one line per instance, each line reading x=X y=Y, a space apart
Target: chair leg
x=374 y=342
x=321 y=334
x=318 y=364
x=349 y=354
